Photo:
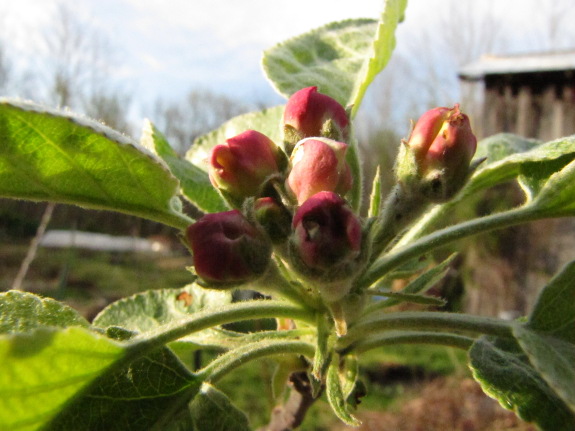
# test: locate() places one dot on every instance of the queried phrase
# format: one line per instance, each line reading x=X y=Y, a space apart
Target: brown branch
x=290 y=415
x=31 y=254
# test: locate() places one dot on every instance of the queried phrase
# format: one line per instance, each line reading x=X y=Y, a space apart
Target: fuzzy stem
x=399 y=210
x=445 y=236
x=216 y=316
x=426 y=320
x=410 y=337
x=237 y=357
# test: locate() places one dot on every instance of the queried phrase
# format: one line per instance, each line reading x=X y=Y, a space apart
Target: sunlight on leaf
x=48 y=155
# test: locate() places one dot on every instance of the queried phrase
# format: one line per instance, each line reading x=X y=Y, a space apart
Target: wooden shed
x=532 y=95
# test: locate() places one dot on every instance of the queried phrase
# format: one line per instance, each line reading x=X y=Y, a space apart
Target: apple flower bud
x=435 y=162
x=318 y=164
x=312 y=114
x=240 y=166
x=226 y=248
x=326 y=232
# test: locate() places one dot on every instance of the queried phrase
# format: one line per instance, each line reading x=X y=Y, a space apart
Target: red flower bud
x=437 y=156
x=443 y=136
x=240 y=166
x=326 y=232
x=318 y=164
x=309 y=114
x=227 y=249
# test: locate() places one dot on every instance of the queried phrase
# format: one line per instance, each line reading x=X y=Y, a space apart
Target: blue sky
x=167 y=47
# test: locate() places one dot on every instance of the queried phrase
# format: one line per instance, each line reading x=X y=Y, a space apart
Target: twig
x=31 y=254
x=290 y=415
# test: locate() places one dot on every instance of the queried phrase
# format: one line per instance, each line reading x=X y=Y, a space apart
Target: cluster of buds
x=291 y=200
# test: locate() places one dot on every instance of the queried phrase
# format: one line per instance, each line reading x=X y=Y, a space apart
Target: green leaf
x=335 y=395
x=554 y=359
x=502 y=145
x=194 y=182
x=213 y=410
x=382 y=48
x=22 y=312
x=341 y=58
x=504 y=372
x=42 y=370
x=507 y=154
x=332 y=57
x=266 y=122
x=556 y=195
x=411 y=297
x=375 y=197
x=355 y=195
x=554 y=312
x=53 y=156
x=149 y=310
x=149 y=393
x=412 y=292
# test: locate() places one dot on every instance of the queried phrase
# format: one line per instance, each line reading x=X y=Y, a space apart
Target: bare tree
x=80 y=64
x=201 y=111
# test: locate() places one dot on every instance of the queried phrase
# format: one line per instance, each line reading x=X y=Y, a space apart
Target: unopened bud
x=327 y=236
x=318 y=164
x=240 y=166
x=312 y=114
x=434 y=162
x=228 y=249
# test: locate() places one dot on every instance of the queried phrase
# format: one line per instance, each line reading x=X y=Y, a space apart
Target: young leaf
x=557 y=195
x=548 y=337
x=23 y=312
x=147 y=311
x=496 y=170
x=383 y=46
x=355 y=195
x=414 y=290
x=266 y=122
x=375 y=196
x=213 y=410
x=332 y=58
x=194 y=182
x=335 y=395
x=44 y=369
x=504 y=372
x=554 y=312
x=54 y=156
x=554 y=359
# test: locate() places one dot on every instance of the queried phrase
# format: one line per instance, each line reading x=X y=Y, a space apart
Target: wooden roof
x=521 y=63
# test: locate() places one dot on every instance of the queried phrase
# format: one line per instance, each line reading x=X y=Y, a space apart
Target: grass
x=89 y=280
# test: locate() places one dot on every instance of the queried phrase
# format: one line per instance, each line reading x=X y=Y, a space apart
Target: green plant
x=325 y=266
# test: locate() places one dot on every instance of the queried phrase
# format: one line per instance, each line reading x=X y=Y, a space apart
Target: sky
x=164 y=48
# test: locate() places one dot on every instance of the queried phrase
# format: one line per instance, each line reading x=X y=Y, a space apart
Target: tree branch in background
x=291 y=414
x=31 y=254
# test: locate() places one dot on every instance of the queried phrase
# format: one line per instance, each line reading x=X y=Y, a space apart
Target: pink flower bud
x=310 y=114
x=318 y=164
x=443 y=136
x=436 y=158
x=227 y=249
x=240 y=166
x=326 y=232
